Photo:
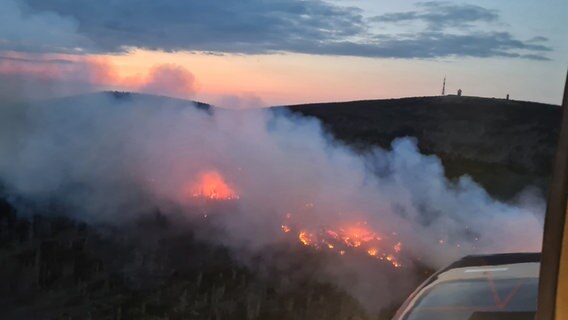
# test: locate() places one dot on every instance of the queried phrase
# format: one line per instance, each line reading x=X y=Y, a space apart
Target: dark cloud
x=538 y=39
x=456 y=30
x=439 y=44
x=24 y=29
x=441 y=15
x=246 y=26
x=34 y=60
x=260 y=26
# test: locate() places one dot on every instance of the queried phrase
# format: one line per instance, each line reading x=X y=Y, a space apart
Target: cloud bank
x=258 y=27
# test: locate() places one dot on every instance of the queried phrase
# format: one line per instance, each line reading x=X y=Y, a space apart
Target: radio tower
x=444 y=87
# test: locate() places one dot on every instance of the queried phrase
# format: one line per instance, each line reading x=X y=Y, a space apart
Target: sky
x=252 y=53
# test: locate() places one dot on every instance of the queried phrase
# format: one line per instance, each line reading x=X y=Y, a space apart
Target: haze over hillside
x=125 y=205
x=505 y=145
x=213 y=185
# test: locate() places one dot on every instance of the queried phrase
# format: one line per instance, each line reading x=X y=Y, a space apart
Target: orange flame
x=357 y=236
x=211 y=185
x=306 y=238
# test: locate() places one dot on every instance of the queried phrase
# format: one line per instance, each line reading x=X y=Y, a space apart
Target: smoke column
x=109 y=159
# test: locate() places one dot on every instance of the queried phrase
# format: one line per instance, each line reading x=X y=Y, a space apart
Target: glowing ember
x=306 y=238
x=211 y=185
x=397 y=247
x=357 y=236
x=346 y=240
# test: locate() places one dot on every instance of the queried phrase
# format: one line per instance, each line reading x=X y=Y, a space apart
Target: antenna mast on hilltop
x=444 y=87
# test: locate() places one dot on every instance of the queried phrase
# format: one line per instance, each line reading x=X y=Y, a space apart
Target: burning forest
x=274 y=192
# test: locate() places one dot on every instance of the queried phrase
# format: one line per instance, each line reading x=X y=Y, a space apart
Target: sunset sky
x=251 y=53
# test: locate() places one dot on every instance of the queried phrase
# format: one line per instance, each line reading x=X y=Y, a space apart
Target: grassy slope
x=504 y=145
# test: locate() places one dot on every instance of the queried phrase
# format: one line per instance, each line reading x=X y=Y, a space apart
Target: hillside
x=120 y=96
x=156 y=268
x=57 y=267
x=505 y=145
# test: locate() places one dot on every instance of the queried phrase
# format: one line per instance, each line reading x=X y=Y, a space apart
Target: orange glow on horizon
x=254 y=80
x=274 y=78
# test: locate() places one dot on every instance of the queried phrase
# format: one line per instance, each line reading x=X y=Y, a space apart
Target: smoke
x=170 y=80
x=242 y=101
x=26 y=77
x=108 y=159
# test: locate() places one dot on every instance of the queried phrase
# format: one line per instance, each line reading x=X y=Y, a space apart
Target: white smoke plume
x=109 y=159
